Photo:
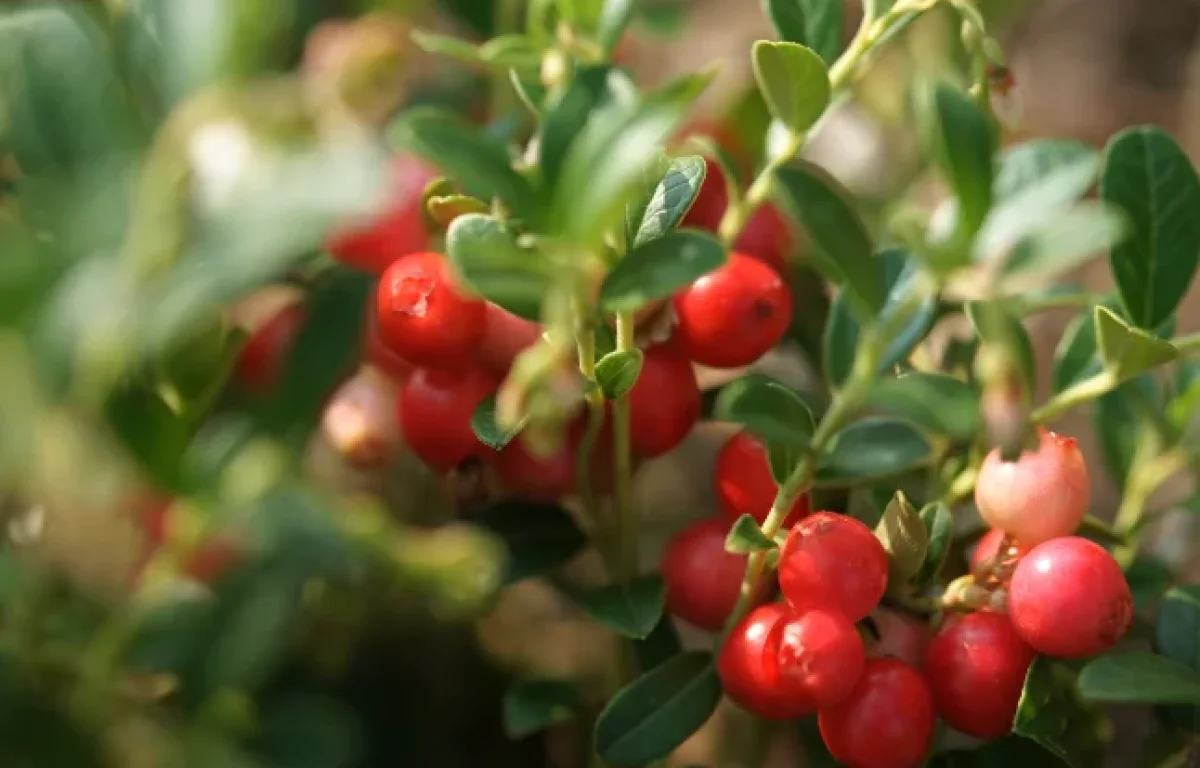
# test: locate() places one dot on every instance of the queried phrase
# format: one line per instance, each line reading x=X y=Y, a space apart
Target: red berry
x=261 y=360
x=976 y=667
x=821 y=654
x=901 y=636
x=379 y=356
x=743 y=482
x=834 y=563
x=1042 y=495
x=1068 y=598
x=534 y=477
x=988 y=547
x=664 y=404
x=702 y=579
x=213 y=558
x=505 y=336
x=887 y=721
x=710 y=203
x=435 y=413
x=424 y=317
x=767 y=238
x=748 y=665
x=397 y=231
x=733 y=315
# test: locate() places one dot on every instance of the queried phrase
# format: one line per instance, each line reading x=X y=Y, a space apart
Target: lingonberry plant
x=498 y=314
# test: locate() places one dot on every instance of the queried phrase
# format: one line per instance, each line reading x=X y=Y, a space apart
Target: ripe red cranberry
x=505 y=336
x=743 y=482
x=1042 y=495
x=379 y=356
x=1068 y=598
x=711 y=201
x=821 y=655
x=398 y=230
x=886 y=722
x=748 y=665
x=664 y=404
x=538 y=478
x=766 y=235
x=424 y=317
x=976 y=667
x=702 y=579
x=261 y=361
x=733 y=315
x=834 y=563
x=901 y=636
x=987 y=548
x=435 y=408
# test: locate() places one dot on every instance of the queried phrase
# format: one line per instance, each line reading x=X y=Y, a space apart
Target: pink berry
x=886 y=722
x=821 y=655
x=1068 y=598
x=901 y=636
x=1042 y=495
x=833 y=562
x=976 y=669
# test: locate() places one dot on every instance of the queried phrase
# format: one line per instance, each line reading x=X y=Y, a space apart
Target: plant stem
x=623 y=463
x=1088 y=389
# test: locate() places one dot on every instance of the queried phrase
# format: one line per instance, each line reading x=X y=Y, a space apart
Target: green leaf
x=1127 y=352
x=308 y=730
x=531 y=706
x=486 y=255
x=939 y=527
x=445 y=45
x=659 y=268
x=1121 y=418
x=483 y=424
x=153 y=434
x=1051 y=713
x=783 y=458
x=746 y=536
x=539 y=537
x=1139 y=677
x=1027 y=164
x=670 y=200
x=872 y=449
x=905 y=539
x=939 y=403
x=1153 y=181
x=842 y=248
x=660 y=646
x=1075 y=357
x=794 y=83
x=482 y=166
x=901 y=275
x=511 y=52
x=595 y=94
x=766 y=408
x=814 y=23
x=1069 y=239
x=631 y=610
x=995 y=323
x=617 y=372
x=444 y=209
x=656 y=713
x=614 y=18
x=962 y=142
x=1177 y=629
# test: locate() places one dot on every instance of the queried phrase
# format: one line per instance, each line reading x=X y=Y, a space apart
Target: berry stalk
x=623 y=464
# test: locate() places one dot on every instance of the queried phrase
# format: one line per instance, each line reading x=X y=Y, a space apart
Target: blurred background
x=86 y=93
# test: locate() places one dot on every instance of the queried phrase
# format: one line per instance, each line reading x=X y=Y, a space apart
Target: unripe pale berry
x=1068 y=598
x=886 y=722
x=358 y=421
x=748 y=666
x=901 y=636
x=424 y=317
x=702 y=579
x=821 y=656
x=976 y=666
x=743 y=483
x=1042 y=495
x=733 y=315
x=833 y=562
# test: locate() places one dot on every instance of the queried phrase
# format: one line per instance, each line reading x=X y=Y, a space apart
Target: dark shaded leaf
x=534 y=705
x=631 y=610
x=539 y=537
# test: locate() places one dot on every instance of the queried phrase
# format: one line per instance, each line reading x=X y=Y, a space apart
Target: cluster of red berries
x=1048 y=593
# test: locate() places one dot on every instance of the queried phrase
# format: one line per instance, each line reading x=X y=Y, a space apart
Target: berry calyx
x=821 y=656
x=702 y=579
x=664 y=403
x=1042 y=495
x=748 y=666
x=424 y=317
x=1068 y=598
x=733 y=315
x=886 y=722
x=976 y=666
x=435 y=408
x=398 y=230
x=988 y=550
x=833 y=562
x=900 y=636
x=743 y=483
x=260 y=362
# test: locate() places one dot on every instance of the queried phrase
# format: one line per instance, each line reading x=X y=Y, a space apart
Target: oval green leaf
x=814 y=23
x=539 y=537
x=659 y=268
x=617 y=372
x=746 y=536
x=656 y=713
x=483 y=424
x=872 y=449
x=962 y=142
x=1125 y=351
x=768 y=409
x=670 y=199
x=939 y=403
x=939 y=526
x=631 y=610
x=1027 y=164
x=905 y=539
x=486 y=255
x=533 y=705
x=1139 y=677
x=1051 y=713
x=794 y=82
